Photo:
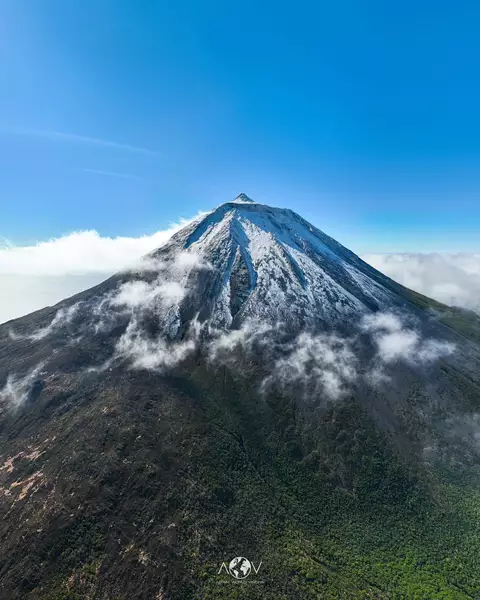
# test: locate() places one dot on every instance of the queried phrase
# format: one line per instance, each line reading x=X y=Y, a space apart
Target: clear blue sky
x=123 y=115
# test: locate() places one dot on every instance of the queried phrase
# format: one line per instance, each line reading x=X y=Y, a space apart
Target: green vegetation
x=346 y=518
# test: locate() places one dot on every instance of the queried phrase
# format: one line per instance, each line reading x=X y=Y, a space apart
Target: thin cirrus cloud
x=114 y=175
x=81 y=139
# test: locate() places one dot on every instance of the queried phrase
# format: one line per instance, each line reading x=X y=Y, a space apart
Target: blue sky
x=122 y=116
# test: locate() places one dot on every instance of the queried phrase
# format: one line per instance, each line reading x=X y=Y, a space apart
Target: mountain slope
x=253 y=389
x=275 y=265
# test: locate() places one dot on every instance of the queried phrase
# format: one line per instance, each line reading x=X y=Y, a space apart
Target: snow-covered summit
x=270 y=264
x=243 y=198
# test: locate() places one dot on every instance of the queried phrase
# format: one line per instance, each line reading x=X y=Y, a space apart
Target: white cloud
x=398 y=340
x=453 y=279
x=399 y=344
x=432 y=350
x=135 y=294
x=80 y=253
x=329 y=363
x=62 y=317
x=378 y=321
x=32 y=277
x=163 y=296
x=325 y=361
x=152 y=353
x=142 y=303
x=184 y=262
x=167 y=290
x=16 y=389
x=22 y=294
x=224 y=344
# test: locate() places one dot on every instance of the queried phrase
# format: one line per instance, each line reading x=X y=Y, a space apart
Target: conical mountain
x=250 y=389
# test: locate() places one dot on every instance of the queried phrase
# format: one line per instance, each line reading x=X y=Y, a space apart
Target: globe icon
x=240 y=567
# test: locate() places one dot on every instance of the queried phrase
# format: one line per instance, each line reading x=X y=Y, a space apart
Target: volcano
x=251 y=390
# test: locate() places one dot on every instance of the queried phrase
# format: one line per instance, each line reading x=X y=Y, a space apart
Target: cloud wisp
x=397 y=340
x=62 y=136
x=62 y=318
x=329 y=365
x=225 y=346
x=157 y=302
x=321 y=364
x=17 y=388
x=151 y=353
x=148 y=309
x=115 y=175
x=317 y=366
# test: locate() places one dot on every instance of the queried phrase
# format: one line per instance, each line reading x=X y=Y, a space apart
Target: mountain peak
x=270 y=264
x=243 y=198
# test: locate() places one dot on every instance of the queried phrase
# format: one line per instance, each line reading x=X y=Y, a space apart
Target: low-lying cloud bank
x=453 y=279
x=32 y=277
